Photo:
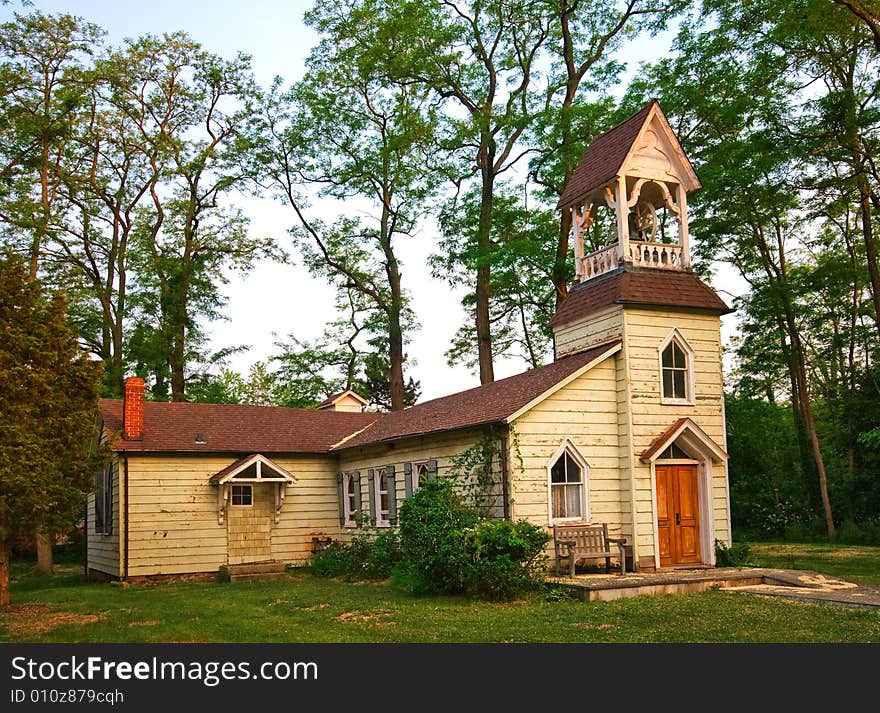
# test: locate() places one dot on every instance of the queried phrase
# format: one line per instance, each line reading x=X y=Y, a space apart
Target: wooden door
x=678 y=514
x=249 y=526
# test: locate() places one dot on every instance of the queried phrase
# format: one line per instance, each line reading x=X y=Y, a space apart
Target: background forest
x=122 y=169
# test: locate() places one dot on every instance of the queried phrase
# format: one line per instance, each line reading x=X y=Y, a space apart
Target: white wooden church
x=625 y=427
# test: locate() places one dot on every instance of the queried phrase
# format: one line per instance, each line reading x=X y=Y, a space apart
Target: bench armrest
x=617 y=540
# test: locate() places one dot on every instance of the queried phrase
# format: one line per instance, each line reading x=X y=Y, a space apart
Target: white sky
x=280 y=299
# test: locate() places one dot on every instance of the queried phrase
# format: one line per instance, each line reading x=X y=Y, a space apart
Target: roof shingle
x=627 y=285
x=489 y=403
x=603 y=158
x=234 y=427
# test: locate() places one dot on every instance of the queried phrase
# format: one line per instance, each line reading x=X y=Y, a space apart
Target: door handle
x=677 y=519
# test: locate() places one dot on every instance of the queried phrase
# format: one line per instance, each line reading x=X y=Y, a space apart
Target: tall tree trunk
x=483 y=324
x=4 y=572
x=395 y=329
x=868 y=233
x=45 y=565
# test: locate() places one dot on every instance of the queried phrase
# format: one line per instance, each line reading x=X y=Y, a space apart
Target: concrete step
x=259 y=577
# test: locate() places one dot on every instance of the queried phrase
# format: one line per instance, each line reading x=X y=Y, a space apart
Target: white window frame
x=235 y=485
x=689 y=383
x=382 y=519
x=348 y=508
x=416 y=476
x=568 y=446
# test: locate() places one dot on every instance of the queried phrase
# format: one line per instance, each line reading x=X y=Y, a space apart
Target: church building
x=625 y=427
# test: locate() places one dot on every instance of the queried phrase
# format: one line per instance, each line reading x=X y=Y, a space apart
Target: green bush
x=433 y=525
x=737 y=555
x=370 y=555
x=448 y=547
x=859 y=533
x=506 y=558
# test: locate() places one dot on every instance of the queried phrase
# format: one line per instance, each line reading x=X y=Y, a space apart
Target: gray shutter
x=340 y=487
x=392 y=495
x=371 y=477
x=432 y=469
x=108 y=508
x=407 y=479
x=357 y=495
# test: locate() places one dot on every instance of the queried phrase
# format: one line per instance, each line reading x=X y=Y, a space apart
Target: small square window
x=242 y=495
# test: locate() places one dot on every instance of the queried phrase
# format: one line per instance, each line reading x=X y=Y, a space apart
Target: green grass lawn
x=852 y=563
x=306 y=609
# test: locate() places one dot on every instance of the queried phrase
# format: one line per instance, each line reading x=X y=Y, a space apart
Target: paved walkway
x=797 y=585
x=812 y=587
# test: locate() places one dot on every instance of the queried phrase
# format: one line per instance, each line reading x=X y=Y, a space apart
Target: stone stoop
x=253 y=572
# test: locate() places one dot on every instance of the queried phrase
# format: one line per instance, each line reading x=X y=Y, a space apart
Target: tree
x=365 y=141
x=190 y=109
x=48 y=413
x=41 y=81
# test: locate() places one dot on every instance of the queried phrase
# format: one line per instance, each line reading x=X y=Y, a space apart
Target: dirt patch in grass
x=25 y=621
x=358 y=617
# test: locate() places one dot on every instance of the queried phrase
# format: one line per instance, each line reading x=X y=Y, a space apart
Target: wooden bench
x=581 y=541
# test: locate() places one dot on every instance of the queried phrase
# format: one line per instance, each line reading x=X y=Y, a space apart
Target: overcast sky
x=283 y=299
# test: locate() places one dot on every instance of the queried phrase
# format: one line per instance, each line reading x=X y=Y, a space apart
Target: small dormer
x=348 y=400
x=639 y=176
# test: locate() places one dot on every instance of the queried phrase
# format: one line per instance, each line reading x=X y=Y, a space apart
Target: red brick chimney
x=133 y=409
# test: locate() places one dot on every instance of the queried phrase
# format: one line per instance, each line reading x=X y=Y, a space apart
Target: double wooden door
x=678 y=514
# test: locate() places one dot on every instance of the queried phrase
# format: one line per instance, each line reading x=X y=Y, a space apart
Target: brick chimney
x=133 y=409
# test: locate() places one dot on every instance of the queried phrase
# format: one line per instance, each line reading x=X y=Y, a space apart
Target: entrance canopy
x=255 y=468
x=251 y=470
x=688 y=436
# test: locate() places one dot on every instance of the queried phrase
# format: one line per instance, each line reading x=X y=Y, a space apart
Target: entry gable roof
x=279 y=475
x=690 y=431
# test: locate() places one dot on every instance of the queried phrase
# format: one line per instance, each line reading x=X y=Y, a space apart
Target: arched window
x=676 y=370
x=568 y=485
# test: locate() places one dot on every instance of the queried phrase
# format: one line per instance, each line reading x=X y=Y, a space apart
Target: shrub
x=449 y=548
x=737 y=555
x=370 y=555
x=507 y=558
x=433 y=525
x=866 y=532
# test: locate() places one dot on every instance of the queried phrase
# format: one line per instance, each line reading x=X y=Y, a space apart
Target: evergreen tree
x=48 y=411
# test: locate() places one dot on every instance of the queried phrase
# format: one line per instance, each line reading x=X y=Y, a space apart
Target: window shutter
x=108 y=507
x=407 y=479
x=432 y=469
x=340 y=488
x=392 y=495
x=371 y=477
x=357 y=494
x=100 y=479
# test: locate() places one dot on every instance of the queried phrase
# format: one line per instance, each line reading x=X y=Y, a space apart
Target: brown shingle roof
x=604 y=157
x=489 y=403
x=662 y=288
x=235 y=428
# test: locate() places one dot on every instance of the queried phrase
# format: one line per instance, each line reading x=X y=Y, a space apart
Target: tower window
x=676 y=359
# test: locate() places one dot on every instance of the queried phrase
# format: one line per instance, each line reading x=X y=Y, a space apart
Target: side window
x=417 y=473
x=567 y=474
x=676 y=367
x=349 y=485
x=383 y=496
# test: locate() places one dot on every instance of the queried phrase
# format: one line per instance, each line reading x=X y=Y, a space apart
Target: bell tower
x=628 y=199
x=639 y=173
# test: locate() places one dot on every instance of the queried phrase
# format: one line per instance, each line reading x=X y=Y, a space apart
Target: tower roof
x=614 y=152
x=651 y=288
